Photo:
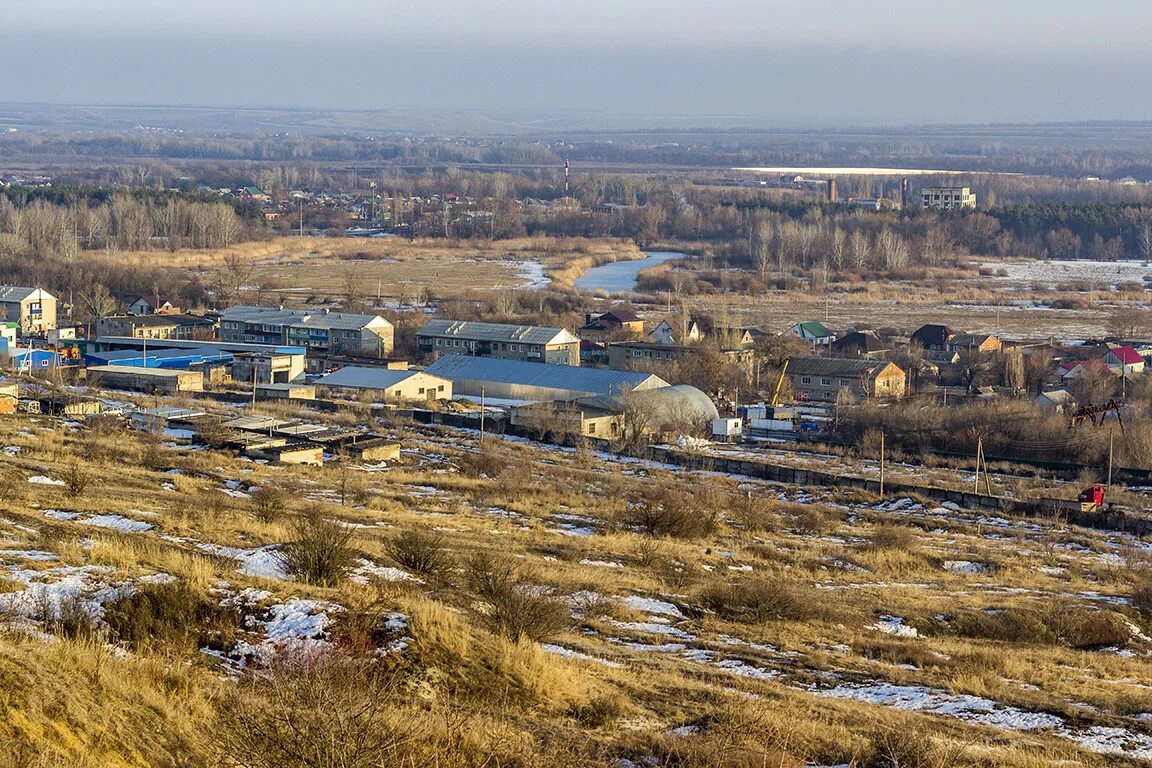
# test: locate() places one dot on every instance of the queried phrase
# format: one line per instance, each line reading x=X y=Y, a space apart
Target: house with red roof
x=1124 y=360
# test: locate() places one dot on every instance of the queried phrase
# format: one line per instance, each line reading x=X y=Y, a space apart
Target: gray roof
x=667 y=403
x=477 y=331
x=599 y=381
x=246 y=313
x=833 y=366
x=356 y=377
x=15 y=292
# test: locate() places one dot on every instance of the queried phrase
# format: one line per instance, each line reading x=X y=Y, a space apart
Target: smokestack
x=831 y=190
x=904 y=192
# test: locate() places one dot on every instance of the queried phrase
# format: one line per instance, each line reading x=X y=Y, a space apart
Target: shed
x=288 y=453
x=372 y=449
x=285 y=392
x=145 y=379
x=387 y=384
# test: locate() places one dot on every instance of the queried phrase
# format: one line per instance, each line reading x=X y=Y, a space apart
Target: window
x=825 y=382
x=440 y=388
x=591 y=427
x=420 y=391
x=845 y=382
x=805 y=379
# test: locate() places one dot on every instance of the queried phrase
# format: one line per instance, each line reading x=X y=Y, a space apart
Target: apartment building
x=529 y=343
x=320 y=332
x=33 y=308
x=947 y=198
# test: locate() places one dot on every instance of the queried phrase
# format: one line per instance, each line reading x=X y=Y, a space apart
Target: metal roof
x=311 y=318
x=135 y=342
x=15 y=292
x=342 y=321
x=477 y=331
x=206 y=354
x=834 y=366
x=596 y=381
x=356 y=377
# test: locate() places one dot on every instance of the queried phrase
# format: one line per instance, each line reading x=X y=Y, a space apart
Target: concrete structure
x=145 y=379
x=560 y=418
x=386 y=384
x=285 y=392
x=372 y=449
x=822 y=379
x=320 y=332
x=515 y=380
x=268 y=368
x=287 y=453
x=947 y=198
x=159 y=326
x=34 y=309
x=652 y=357
x=528 y=343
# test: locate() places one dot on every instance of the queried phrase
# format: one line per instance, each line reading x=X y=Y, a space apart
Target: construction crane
x=780 y=383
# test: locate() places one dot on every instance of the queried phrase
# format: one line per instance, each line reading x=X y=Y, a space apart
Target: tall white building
x=947 y=198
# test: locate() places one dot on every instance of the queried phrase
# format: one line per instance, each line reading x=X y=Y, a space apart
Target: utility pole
x=481 y=412
x=253 y=386
x=1110 y=432
x=979 y=454
x=881 y=464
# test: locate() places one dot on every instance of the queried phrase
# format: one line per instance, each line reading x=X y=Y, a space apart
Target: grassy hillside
x=502 y=604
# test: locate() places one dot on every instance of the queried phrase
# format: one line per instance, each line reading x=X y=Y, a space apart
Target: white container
x=727 y=427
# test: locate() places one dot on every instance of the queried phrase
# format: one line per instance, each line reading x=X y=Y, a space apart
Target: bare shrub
x=512 y=608
x=757 y=600
x=1087 y=629
x=1142 y=598
x=482 y=464
x=1016 y=625
x=67 y=616
x=318 y=710
x=891 y=537
x=172 y=615
x=321 y=551
x=673 y=513
x=76 y=480
x=900 y=748
x=268 y=503
x=421 y=551
x=596 y=712
x=12 y=485
x=810 y=520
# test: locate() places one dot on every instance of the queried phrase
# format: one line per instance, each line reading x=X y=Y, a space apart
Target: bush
x=892 y=748
x=673 y=513
x=758 y=600
x=76 y=480
x=597 y=712
x=321 y=551
x=268 y=503
x=68 y=617
x=514 y=609
x=170 y=615
x=318 y=710
x=421 y=551
x=891 y=537
x=483 y=464
x=1010 y=625
x=1088 y=629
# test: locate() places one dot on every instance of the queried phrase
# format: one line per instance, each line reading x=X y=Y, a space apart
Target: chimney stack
x=831 y=190
x=904 y=194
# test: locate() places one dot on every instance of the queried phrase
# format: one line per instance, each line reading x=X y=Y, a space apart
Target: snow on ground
x=568 y=653
x=1074 y=270
x=367 y=570
x=117 y=523
x=651 y=605
x=894 y=625
x=44 y=480
x=28 y=554
x=965 y=566
x=262 y=561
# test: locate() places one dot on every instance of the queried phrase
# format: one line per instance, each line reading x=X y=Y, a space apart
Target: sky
x=819 y=60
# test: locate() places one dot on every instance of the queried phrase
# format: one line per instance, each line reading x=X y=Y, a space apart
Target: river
x=620 y=276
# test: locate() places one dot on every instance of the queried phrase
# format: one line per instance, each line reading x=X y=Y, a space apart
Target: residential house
x=1074 y=369
x=33 y=308
x=156 y=326
x=933 y=336
x=979 y=342
x=529 y=382
x=859 y=344
x=743 y=336
x=320 y=332
x=527 y=343
x=813 y=332
x=386 y=384
x=1124 y=361
x=8 y=333
x=824 y=378
x=569 y=418
x=1059 y=400
x=670 y=331
x=156 y=304
x=618 y=322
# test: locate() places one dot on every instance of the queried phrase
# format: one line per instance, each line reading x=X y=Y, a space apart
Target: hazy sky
x=897 y=60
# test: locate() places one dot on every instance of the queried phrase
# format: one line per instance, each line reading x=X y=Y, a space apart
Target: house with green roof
x=812 y=332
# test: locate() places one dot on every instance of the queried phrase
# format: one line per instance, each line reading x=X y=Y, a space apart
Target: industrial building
x=145 y=379
x=824 y=378
x=387 y=384
x=529 y=343
x=947 y=198
x=516 y=380
x=176 y=359
x=33 y=308
x=272 y=363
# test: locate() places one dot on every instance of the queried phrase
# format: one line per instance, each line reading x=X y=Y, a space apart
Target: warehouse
x=145 y=379
x=177 y=359
x=532 y=382
x=386 y=384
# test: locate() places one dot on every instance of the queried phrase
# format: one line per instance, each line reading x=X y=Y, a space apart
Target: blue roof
x=131 y=342
x=158 y=358
x=600 y=381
